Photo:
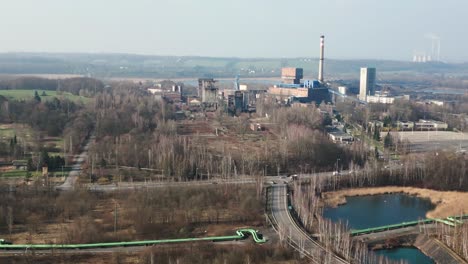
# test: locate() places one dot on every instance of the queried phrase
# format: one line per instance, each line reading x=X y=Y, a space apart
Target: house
x=20 y=164
x=430 y=125
x=338 y=136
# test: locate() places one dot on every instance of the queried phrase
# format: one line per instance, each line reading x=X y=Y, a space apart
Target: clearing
x=29 y=95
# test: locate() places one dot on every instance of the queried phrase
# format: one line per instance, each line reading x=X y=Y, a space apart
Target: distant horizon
x=217 y=57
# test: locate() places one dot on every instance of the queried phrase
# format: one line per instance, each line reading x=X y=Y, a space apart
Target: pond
x=378 y=210
x=410 y=255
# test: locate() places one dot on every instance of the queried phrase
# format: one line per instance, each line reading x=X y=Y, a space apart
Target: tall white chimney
x=322 y=54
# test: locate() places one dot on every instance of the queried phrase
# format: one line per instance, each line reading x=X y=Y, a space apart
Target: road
x=296 y=237
x=70 y=181
x=238 y=180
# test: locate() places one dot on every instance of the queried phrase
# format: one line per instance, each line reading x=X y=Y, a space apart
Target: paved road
x=70 y=181
x=270 y=180
x=163 y=184
x=296 y=237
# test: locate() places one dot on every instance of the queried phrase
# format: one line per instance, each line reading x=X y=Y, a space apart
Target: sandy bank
x=447 y=203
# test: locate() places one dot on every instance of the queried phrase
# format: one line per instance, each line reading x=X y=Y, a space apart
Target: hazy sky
x=379 y=29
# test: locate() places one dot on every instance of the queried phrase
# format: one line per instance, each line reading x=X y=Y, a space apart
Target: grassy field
x=20 y=173
x=23 y=173
x=29 y=94
x=8 y=131
x=25 y=133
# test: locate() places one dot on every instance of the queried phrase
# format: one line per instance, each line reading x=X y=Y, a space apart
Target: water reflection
x=378 y=210
x=372 y=211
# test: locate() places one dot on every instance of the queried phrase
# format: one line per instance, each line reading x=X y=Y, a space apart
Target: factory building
x=430 y=125
x=367 y=85
x=208 y=92
x=291 y=89
x=380 y=99
x=251 y=95
x=292 y=75
x=304 y=93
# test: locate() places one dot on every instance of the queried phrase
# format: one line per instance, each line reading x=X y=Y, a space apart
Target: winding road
x=70 y=181
x=288 y=229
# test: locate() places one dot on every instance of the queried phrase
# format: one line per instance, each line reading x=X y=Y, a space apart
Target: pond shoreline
x=446 y=204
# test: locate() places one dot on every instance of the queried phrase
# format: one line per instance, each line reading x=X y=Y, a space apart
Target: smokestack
x=322 y=51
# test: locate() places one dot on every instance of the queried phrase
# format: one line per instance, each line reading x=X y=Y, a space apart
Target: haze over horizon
x=358 y=29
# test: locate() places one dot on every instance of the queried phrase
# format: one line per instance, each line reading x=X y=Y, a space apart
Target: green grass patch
x=6 y=133
x=29 y=95
x=19 y=173
x=22 y=131
x=25 y=134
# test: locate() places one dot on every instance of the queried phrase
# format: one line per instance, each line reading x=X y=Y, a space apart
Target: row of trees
x=435 y=170
x=335 y=236
x=455 y=238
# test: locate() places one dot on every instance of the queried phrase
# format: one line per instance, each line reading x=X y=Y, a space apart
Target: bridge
x=430 y=246
x=450 y=221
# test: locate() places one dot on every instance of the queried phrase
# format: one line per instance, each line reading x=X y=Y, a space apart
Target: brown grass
x=447 y=203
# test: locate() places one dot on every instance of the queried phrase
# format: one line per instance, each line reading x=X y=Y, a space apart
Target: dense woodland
x=134 y=129
x=148 y=214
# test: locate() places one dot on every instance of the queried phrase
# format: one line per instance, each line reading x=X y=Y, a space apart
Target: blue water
x=410 y=255
x=445 y=91
x=372 y=211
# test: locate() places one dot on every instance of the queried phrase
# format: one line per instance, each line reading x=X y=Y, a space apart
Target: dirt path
x=447 y=203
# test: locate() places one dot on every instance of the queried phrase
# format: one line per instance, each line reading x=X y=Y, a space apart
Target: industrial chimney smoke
x=322 y=54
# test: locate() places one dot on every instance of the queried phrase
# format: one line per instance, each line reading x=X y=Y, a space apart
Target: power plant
x=433 y=55
x=292 y=89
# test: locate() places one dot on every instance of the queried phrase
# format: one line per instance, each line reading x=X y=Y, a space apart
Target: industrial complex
x=293 y=88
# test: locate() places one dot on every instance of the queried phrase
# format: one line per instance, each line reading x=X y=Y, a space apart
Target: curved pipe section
x=240 y=234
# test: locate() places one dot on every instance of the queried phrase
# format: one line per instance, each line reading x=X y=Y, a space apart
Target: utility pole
x=115 y=218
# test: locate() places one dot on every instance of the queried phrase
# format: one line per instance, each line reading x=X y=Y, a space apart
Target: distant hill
x=131 y=65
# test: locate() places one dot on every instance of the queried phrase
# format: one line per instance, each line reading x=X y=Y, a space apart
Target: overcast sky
x=377 y=29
